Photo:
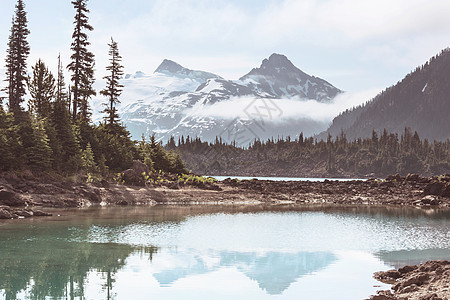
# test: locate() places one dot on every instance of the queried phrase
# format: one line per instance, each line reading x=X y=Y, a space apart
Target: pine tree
x=42 y=89
x=60 y=117
x=88 y=161
x=60 y=93
x=40 y=154
x=113 y=87
x=17 y=53
x=9 y=142
x=82 y=65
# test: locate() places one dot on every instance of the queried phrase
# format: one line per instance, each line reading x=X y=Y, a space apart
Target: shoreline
x=27 y=198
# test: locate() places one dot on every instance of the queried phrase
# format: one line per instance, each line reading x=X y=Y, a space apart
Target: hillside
x=420 y=101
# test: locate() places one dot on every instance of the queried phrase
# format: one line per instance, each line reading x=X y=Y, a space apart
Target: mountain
x=278 y=77
x=175 y=100
x=420 y=101
x=169 y=67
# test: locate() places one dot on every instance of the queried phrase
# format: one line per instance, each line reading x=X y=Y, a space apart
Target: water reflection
x=400 y=258
x=40 y=270
x=273 y=271
x=269 y=251
x=59 y=269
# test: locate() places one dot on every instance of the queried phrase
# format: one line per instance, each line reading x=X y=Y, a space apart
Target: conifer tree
x=42 y=89
x=40 y=154
x=17 y=53
x=88 y=161
x=9 y=142
x=60 y=117
x=82 y=64
x=113 y=88
x=60 y=92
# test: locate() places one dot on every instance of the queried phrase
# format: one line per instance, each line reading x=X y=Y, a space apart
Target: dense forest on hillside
x=420 y=101
x=379 y=155
x=54 y=134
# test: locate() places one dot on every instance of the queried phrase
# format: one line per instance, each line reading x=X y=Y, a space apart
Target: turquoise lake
x=214 y=252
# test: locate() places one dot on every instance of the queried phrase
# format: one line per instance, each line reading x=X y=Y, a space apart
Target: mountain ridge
x=171 y=100
x=419 y=101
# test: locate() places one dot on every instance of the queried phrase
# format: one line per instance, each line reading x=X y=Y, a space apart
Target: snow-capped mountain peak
x=172 y=68
x=278 y=77
x=175 y=100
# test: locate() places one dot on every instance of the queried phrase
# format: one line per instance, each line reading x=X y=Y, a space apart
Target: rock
x=446 y=191
x=91 y=195
x=429 y=200
x=40 y=213
x=10 y=198
x=24 y=213
x=5 y=214
x=409 y=289
x=174 y=185
x=417 y=280
x=407 y=269
x=105 y=184
x=412 y=177
x=434 y=188
x=122 y=202
x=140 y=168
x=131 y=177
x=395 y=177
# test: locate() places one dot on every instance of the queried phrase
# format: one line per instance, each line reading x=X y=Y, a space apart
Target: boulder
x=40 y=213
x=395 y=177
x=434 y=188
x=5 y=214
x=412 y=177
x=131 y=177
x=446 y=191
x=24 y=213
x=10 y=198
x=140 y=168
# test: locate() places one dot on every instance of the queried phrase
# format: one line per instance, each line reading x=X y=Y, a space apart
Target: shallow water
x=215 y=252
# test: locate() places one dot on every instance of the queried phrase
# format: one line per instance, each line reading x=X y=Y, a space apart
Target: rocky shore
x=428 y=281
x=25 y=198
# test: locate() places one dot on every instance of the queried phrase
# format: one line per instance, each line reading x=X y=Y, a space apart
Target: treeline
x=380 y=155
x=54 y=132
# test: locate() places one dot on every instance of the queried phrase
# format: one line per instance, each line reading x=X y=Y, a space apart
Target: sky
x=356 y=45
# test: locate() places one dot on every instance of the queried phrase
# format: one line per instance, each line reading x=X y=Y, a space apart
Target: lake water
x=220 y=178
x=194 y=252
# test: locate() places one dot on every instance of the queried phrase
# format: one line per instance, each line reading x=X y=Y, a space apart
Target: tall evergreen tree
x=82 y=64
x=61 y=93
x=60 y=119
x=39 y=155
x=113 y=88
x=42 y=89
x=16 y=58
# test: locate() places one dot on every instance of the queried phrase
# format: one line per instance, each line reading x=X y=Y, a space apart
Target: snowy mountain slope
x=278 y=77
x=176 y=101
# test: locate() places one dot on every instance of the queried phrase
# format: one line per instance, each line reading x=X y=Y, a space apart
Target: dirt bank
x=428 y=281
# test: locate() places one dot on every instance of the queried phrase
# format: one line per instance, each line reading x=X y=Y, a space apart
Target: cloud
x=284 y=110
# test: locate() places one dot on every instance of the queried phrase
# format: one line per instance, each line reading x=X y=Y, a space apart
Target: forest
x=46 y=126
x=378 y=156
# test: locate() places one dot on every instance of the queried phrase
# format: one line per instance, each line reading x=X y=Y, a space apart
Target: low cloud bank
x=283 y=110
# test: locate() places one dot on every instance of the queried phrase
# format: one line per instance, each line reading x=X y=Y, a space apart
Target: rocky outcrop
x=14 y=213
x=430 y=280
x=10 y=198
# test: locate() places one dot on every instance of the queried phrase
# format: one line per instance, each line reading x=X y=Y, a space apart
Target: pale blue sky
x=354 y=44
